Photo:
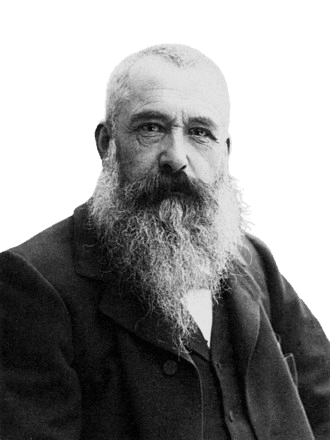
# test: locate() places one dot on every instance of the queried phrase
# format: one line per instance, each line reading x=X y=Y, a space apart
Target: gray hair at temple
x=182 y=56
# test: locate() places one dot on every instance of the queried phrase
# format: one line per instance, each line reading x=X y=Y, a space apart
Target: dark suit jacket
x=81 y=359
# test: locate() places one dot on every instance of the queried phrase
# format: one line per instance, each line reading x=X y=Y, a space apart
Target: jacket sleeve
x=40 y=394
x=300 y=334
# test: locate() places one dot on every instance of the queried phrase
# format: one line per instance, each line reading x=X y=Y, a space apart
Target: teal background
x=56 y=59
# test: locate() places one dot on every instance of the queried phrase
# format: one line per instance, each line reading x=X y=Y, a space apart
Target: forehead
x=158 y=85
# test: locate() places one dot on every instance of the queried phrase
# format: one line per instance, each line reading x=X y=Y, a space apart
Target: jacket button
x=170 y=367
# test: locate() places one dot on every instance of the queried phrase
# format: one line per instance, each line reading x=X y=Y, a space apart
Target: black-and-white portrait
x=163 y=240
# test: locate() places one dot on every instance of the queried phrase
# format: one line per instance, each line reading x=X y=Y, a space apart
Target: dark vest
x=225 y=415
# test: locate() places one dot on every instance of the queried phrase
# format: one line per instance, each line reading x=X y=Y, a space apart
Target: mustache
x=152 y=189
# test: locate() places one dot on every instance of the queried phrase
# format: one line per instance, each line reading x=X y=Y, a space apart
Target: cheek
x=220 y=161
x=136 y=162
x=210 y=166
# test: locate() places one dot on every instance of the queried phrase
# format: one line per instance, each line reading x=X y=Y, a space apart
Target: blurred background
x=56 y=57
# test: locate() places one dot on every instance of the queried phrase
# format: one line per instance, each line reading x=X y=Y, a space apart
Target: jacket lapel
x=244 y=316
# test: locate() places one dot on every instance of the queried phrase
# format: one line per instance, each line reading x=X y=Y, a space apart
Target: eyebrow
x=165 y=118
x=149 y=114
x=202 y=120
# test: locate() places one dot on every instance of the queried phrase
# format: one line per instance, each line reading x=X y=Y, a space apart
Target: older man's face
x=175 y=120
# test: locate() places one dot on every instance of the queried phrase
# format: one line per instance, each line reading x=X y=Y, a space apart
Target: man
x=151 y=313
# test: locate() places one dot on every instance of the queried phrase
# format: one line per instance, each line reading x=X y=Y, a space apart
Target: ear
x=102 y=139
x=228 y=142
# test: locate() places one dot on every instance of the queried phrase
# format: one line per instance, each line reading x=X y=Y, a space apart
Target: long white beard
x=164 y=250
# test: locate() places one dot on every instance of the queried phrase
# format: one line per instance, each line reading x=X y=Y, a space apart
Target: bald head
x=141 y=65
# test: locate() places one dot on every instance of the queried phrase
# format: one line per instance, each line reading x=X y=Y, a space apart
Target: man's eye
x=150 y=129
x=200 y=132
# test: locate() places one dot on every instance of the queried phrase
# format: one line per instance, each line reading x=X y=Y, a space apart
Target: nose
x=173 y=158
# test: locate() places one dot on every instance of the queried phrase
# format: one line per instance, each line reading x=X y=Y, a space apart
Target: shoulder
x=258 y=271
x=55 y=246
x=271 y=289
x=259 y=262
x=49 y=247
x=256 y=253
